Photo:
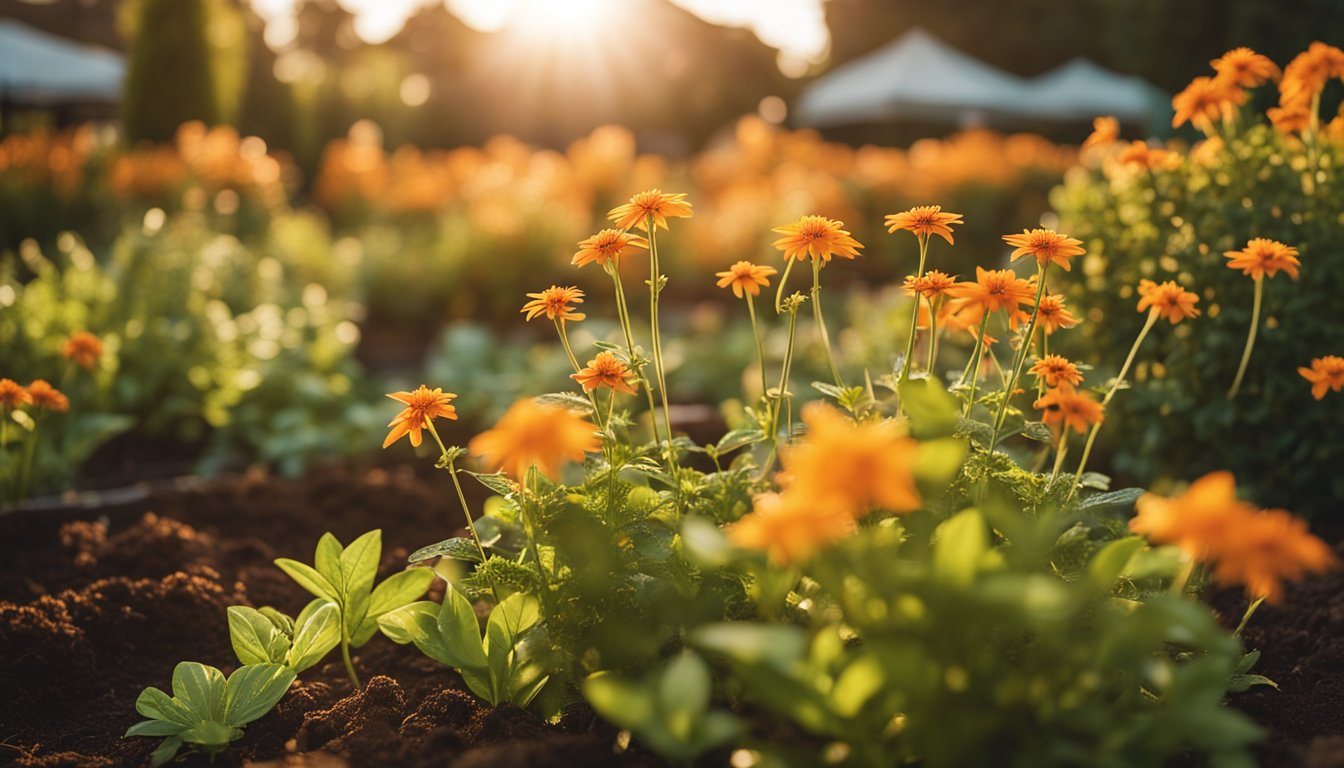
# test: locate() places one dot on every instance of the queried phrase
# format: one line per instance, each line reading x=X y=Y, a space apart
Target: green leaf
x=255 y=638
x=398 y=590
x=1112 y=560
x=508 y=621
x=1241 y=683
x=937 y=461
x=1038 y=431
x=458 y=626
x=359 y=568
x=565 y=400
x=309 y=579
x=495 y=481
x=1124 y=497
x=327 y=560
x=738 y=438
x=776 y=645
x=683 y=694
x=252 y=691
x=315 y=634
x=155 y=728
x=626 y=703
x=959 y=545
x=457 y=548
x=200 y=689
x=155 y=704
x=212 y=735
x=859 y=681
x=280 y=620
x=413 y=623
x=165 y=751
x=933 y=412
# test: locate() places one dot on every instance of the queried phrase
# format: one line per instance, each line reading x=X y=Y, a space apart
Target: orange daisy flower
x=1047 y=245
x=923 y=221
x=1171 y=300
x=789 y=527
x=653 y=203
x=605 y=370
x=555 y=303
x=994 y=289
x=1105 y=131
x=1291 y=119
x=1053 y=315
x=1325 y=374
x=422 y=406
x=1140 y=154
x=12 y=394
x=607 y=245
x=816 y=237
x=935 y=284
x=1204 y=100
x=1055 y=370
x=1307 y=74
x=45 y=397
x=1263 y=257
x=1066 y=407
x=746 y=278
x=531 y=434
x=83 y=349
x=1245 y=67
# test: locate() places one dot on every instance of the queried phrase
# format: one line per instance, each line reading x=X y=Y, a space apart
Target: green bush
x=170 y=37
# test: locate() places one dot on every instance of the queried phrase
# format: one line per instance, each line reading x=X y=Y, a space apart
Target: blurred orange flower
x=851 y=466
x=1105 y=131
x=1047 y=245
x=1065 y=406
x=923 y=221
x=555 y=303
x=932 y=286
x=422 y=406
x=1055 y=370
x=1171 y=300
x=993 y=289
x=816 y=237
x=1139 y=153
x=12 y=394
x=607 y=245
x=1307 y=73
x=1052 y=315
x=651 y=203
x=83 y=349
x=745 y=278
x=1325 y=374
x=1264 y=257
x=1245 y=67
x=1204 y=100
x=531 y=434
x=790 y=528
x=46 y=397
x=605 y=370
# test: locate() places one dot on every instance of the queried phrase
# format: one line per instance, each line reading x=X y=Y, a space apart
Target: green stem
x=760 y=350
x=4 y=451
x=1182 y=579
x=1020 y=358
x=574 y=361
x=1061 y=451
x=623 y=312
x=1245 y=617
x=908 y=362
x=461 y=497
x=29 y=453
x=655 y=278
x=784 y=376
x=530 y=524
x=975 y=362
x=345 y=652
x=934 y=306
x=779 y=290
x=1115 y=387
x=1250 y=337
x=821 y=323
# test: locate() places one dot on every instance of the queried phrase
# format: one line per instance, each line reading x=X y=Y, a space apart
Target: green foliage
x=1176 y=422
x=170 y=37
x=267 y=636
x=205 y=710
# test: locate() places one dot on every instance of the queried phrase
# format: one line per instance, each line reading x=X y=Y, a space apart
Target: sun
x=550 y=17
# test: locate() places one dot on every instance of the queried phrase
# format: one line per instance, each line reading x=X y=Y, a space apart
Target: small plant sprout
x=344 y=576
x=267 y=636
x=205 y=710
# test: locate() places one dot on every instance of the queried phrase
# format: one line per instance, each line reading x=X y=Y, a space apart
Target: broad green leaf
x=252 y=691
x=460 y=630
x=309 y=579
x=458 y=548
x=212 y=735
x=327 y=560
x=772 y=644
x=626 y=703
x=959 y=544
x=1241 y=683
x=1112 y=560
x=200 y=689
x=937 y=461
x=359 y=567
x=315 y=635
x=166 y=751
x=155 y=704
x=255 y=638
x=155 y=728
x=856 y=685
x=495 y=481
x=509 y=619
x=933 y=412
x=413 y=623
x=1124 y=498
x=280 y=620
x=399 y=589
x=683 y=691
x=738 y=438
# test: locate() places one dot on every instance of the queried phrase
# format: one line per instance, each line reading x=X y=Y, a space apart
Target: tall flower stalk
x=1261 y=258
x=924 y=222
x=819 y=239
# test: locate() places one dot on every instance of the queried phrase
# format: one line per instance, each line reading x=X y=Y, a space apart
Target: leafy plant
x=345 y=577
x=496 y=667
x=267 y=636
x=205 y=710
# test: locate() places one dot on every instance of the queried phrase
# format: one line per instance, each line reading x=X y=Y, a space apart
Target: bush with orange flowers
x=1248 y=219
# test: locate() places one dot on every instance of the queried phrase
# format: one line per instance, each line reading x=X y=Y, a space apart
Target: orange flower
x=851 y=466
x=1065 y=406
x=531 y=434
x=555 y=302
x=653 y=203
x=422 y=406
x=12 y=395
x=83 y=349
x=1171 y=300
x=923 y=221
x=1140 y=154
x=607 y=245
x=46 y=397
x=1204 y=100
x=1056 y=370
x=994 y=289
x=1262 y=257
x=1046 y=245
x=790 y=528
x=816 y=237
x=1325 y=374
x=1209 y=523
x=1307 y=73
x=1291 y=119
x=745 y=278
x=934 y=284
x=1052 y=315
x=1245 y=67
x=605 y=370
x=1105 y=130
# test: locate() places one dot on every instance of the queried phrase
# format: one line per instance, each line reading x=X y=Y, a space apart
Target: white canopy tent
x=1081 y=90
x=38 y=68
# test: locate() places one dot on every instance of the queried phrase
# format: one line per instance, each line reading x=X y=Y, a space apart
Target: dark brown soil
x=95 y=605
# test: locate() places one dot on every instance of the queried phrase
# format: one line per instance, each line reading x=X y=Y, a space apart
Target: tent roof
x=36 y=66
x=1081 y=89
x=916 y=75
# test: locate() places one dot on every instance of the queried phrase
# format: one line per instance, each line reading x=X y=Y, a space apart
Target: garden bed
x=98 y=603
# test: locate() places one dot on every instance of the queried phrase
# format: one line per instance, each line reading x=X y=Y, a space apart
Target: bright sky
x=797 y=28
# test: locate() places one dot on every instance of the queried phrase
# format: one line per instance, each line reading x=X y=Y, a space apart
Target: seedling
x=344 y=576
x=495 y=668
x=268 y=636
x=205 y=710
